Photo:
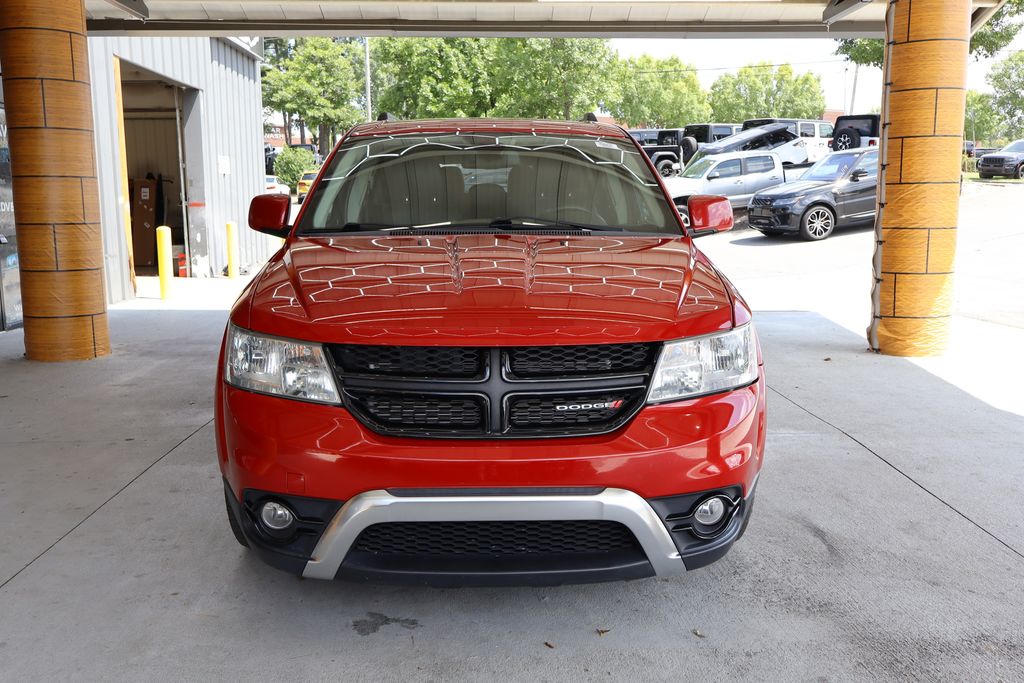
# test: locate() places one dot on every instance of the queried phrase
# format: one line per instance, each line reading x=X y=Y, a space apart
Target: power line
x=745 y=66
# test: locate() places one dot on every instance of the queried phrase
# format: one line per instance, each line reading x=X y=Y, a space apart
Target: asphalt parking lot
x=886 y=542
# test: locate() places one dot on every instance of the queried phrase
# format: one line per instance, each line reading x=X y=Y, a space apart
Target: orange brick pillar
x=919 y=183
x=45 y=65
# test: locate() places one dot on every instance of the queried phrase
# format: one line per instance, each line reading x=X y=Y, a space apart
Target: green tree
x=276 y=52
x=999 y=32
x=323 y=87
x=762 y=90
x=432 y=77
x=983 y=122
x=559 y=78
x=657 y=93
x=1007 y=81
x=291 y=163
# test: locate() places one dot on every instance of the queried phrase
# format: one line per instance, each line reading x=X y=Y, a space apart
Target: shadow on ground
x=884 y=544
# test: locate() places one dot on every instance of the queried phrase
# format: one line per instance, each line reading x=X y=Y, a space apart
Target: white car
x=815 y=133
x=774 y=137
x=737 y=175
x=275 y=186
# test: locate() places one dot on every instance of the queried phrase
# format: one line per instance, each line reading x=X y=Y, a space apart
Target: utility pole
x=366 y=72
x=853 y=97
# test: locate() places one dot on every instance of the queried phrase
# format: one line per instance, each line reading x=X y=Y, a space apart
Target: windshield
x=309 y=176
x=698 y=169
x=832 y=167
x=496 y=181
x=1017 y=146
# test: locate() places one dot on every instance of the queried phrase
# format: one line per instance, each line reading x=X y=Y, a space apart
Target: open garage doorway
x=155 y=158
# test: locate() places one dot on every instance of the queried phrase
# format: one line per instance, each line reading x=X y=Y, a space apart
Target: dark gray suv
x=1009 y=162
x=837 y=191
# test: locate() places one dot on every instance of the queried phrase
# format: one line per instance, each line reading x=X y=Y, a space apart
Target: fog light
x=712 y=511
x=276 y=518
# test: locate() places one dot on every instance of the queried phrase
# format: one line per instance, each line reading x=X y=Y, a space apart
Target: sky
x=712 y=58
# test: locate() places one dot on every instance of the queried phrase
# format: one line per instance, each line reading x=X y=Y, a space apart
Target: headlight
x=705 y=365
x=295 y=369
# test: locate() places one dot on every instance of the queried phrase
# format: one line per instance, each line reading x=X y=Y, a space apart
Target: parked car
x=838 y=191
x=774 y=136
x=645 y=136
x=275 y=186
x=538 y=379
x=305 y=182
x=669 y=150
x=706 y=133
x=269 y=157
x=1009 y=162
x=969 y=148
x=815 y=133
x=862 y=130
x=736 y=175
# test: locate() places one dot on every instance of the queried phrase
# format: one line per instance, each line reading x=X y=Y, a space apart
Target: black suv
x=837 y=191
x=1009 y=162
x=668 y=149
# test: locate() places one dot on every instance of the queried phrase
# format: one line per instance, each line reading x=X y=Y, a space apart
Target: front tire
x=817 y=223
x=984 y=176
x=1020 y=172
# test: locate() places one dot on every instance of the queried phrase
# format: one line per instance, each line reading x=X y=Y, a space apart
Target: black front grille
x=411 y=361
x=545 y=412
x=499 y=538
x=392 y=410
x=761 y=201
x=598 y=359
x=518 y=392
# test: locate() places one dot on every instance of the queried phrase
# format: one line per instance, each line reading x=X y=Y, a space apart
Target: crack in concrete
x=82 y=521
x=906 y=476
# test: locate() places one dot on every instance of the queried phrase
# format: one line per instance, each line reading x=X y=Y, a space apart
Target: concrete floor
x=887 y=541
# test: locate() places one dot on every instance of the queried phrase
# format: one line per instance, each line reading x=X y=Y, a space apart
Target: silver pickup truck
x=736 y=175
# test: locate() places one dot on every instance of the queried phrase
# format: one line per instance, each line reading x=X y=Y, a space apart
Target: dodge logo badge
x=589 y=406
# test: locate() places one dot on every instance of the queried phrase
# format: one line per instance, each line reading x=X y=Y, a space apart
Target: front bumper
x=647 y=475
x=665 y=542
x=779 y=218
x=1000 y=169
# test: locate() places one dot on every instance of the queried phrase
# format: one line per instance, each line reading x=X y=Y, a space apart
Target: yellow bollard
x=163 y=260
x=232 y=249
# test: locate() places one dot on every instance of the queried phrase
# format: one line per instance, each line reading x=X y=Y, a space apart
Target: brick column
x=919 y=188
x=49 y=119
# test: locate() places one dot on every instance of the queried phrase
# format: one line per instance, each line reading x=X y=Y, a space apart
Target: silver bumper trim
x=373 y=507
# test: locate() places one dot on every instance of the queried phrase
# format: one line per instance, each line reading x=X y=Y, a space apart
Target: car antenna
x=384 y=116
x=590 y=116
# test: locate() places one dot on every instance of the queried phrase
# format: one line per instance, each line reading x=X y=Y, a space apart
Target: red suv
x=489 y=352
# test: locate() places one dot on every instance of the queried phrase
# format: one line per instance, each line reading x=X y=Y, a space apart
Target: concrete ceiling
x=606 y=18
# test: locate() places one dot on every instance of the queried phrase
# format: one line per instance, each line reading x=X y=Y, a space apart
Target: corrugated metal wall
x=228 y=81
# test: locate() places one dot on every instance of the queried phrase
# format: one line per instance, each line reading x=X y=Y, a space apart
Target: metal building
x=189 y=110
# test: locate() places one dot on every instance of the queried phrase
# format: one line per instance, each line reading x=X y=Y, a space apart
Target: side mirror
x=268 y=213
x=713 y=175
x=709 y=214
x=858 y=174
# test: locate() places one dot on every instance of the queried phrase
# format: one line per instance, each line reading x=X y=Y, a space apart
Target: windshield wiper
x=353 y=227
x=531 y=223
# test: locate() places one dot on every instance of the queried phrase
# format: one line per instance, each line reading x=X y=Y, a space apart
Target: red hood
x=487 y=290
